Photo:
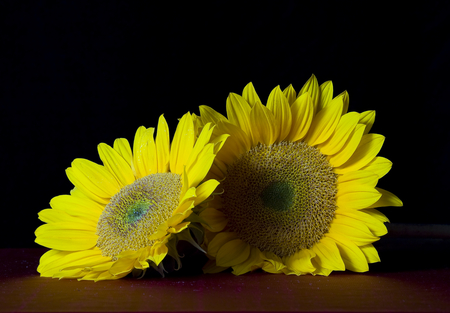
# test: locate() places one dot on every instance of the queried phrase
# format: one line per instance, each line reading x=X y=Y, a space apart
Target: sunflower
x=299 y=178
x=128 y=214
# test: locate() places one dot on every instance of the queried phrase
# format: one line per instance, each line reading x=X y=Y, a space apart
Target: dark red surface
x=420 y=290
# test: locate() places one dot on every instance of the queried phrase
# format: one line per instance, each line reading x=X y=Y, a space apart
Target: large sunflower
x=299 y=184
x=128 y=214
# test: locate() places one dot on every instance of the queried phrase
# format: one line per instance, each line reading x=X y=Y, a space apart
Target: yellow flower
x=128 y=214
x=299 y=184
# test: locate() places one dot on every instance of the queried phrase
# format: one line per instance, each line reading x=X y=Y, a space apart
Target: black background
x=77 y=73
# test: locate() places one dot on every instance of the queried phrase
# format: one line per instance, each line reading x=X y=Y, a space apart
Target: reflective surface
x=413 y=290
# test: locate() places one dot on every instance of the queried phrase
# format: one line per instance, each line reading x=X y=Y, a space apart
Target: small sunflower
x=128 y=214
x=299 y=180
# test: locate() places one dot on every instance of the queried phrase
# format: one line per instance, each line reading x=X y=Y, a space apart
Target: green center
x=278 y=196
x=136 y=211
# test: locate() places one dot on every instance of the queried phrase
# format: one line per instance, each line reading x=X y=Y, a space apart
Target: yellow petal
x=180 y=213
x=151 y=162
x=387 y=199
x=264 y=127
x=359 y=197
x=186 y=197
x=371 y=253
x=198 y=121
x=215 y=219
x=141 y=261
x=129 y=254
x=345 y=99
x=253 y=262
x=88 y=259
x=178 y=228
x=300 y=262
x=326 y=94
x=185 y=185
x=182 y=144
x=200 y=143
x=150 y=158
x=278 y=104
x=375 y=226
x=75 y=192
x=162 y=146
x=209 y=115
x=219 y=141
x=205 y=190
x=238 y=142
x=83 y=191
x=93 y=179
x=122 y=146
x=349 y=147
x=161 y=231
x=367 y=150
x=144 y=158
x=273 y=263
x=66 y=236
x=352 y=229
x=201 y=158
x=379 y=165
x=238 y=111
x=367 y=118
x=312 y=87
x=75 y=206
x=199 y=170
x=108 y=276
x=350 y=179
x=352 y=255
x=269 y=267
x=57 y=216
x=327 y=255
x=45 y=267
x=122 y=266
x=189 y=195
x=354 y=182
x=103 y=266
x=321 y=271
x=116 y=165
x=302 y=114
x=376 y=214
x=232 y=253
x=224 y=157
x=46 y=263
x=70 y=274
x=290 y=94
x=218 y=169
x=158 y=252
x=218 y=241
x=88 y=275
x=250 y=95
x=324 y=123
x=343 y=130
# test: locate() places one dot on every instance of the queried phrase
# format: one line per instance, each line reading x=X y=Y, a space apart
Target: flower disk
x=134 y=213
x=280 y=198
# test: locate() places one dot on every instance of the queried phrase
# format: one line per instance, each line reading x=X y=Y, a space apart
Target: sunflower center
x=280 y=198
x=136 y=211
